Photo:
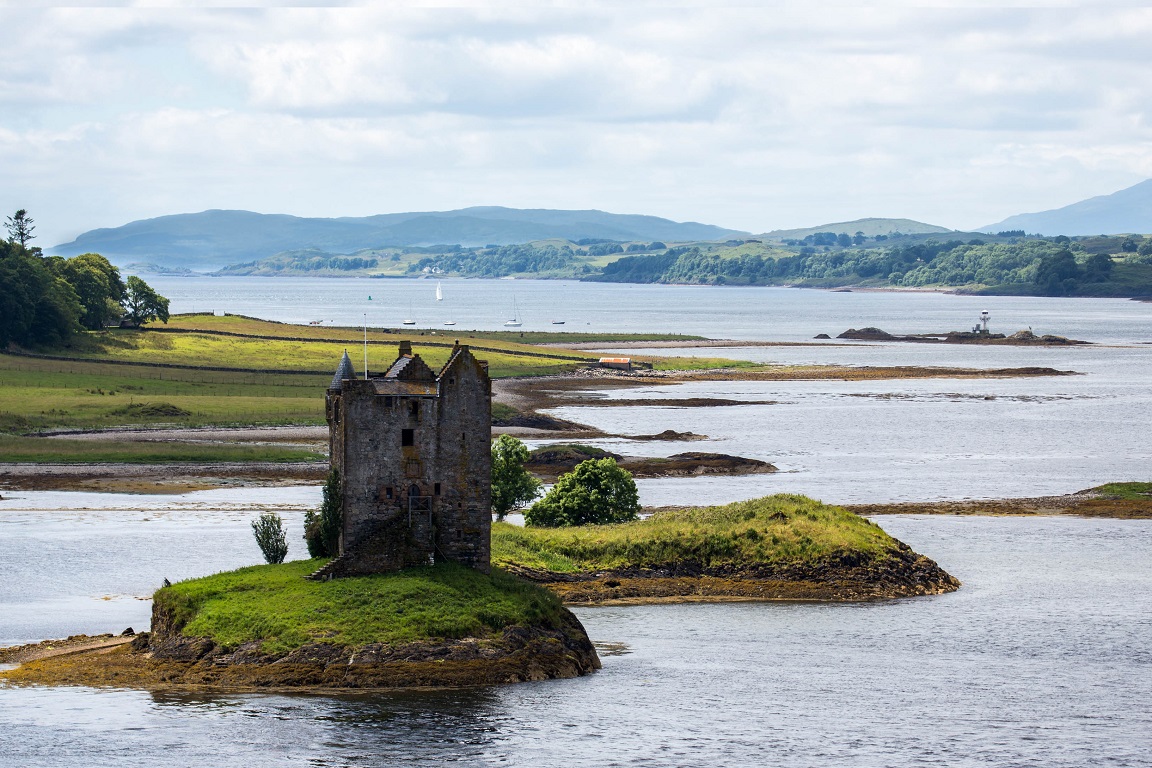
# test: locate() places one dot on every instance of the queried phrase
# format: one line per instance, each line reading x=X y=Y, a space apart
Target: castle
x=413 y=449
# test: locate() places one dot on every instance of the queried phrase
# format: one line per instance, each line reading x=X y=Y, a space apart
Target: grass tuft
x=151 y=410
x=1125 y=491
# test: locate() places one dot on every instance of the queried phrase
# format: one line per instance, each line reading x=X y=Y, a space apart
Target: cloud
x=755 y=118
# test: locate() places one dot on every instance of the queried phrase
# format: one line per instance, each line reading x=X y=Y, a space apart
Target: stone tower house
x=413 y=448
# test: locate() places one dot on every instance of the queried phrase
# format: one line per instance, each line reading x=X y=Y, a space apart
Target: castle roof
x=343 y=371
x=410 y=375
x=410 y=368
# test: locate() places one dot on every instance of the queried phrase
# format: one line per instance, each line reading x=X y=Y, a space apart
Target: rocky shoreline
x=551 y=461
x=1082 y=504
x=165 y=658
x=1019 y=339
x=847 y=579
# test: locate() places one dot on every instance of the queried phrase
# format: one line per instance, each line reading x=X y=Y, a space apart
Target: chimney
x=405 y=349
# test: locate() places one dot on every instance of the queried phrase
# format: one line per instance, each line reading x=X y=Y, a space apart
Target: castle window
x=388 y=492
x=436 y=489
x=388 y=401
x=407 y=437
x=451 y=379
x=414 y=408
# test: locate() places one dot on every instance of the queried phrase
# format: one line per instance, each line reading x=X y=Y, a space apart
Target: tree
x=97 y=284
x=20 y=228
x=36 y=306
x=1098 y=268
x=269 y=532
x=512 y=485
x=1057 y=272
x=322 y=526
x=594 y=493
x=142 y=304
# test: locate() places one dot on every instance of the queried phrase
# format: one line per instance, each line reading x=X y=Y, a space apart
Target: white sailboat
x=440 y=297
x=515 y=321
x=410 y=313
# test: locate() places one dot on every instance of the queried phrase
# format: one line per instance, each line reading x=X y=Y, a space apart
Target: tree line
x=46 y=300
x=1052 y=267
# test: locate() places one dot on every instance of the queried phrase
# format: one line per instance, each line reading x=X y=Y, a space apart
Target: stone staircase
x=326 y=571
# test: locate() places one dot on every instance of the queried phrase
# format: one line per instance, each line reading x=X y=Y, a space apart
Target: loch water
x=1042 y=658
x=842 y=441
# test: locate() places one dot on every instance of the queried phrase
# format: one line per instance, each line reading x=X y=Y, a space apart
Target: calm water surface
x=1044 y=658
x=841 y=441
x=781 y=314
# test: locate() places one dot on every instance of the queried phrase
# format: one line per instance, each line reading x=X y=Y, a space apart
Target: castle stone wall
x=413 y=449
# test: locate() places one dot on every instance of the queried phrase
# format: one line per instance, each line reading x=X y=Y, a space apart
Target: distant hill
x=1123 y=212
x=213 y=239
x=869 y=227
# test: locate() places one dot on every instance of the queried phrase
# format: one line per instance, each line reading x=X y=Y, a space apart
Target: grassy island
x=269 y=627
x=277 y=607
x=778 y=547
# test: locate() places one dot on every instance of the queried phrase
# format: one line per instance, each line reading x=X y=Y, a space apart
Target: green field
x=23 y=450
x=315 y=355
x=277 y=605
x=506 y=339
x=275 y=373
x=48 y=394
x=776 y=529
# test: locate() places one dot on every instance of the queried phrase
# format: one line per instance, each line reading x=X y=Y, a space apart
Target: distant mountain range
x=214 y=239
x=1128 y=211
x=867 y=227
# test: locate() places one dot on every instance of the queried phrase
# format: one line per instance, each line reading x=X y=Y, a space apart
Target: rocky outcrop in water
x=849 y=576
x=1024 y=338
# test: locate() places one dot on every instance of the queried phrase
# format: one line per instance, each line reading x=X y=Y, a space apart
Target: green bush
x=596 y=492
x=322 y=526
x=269 y=532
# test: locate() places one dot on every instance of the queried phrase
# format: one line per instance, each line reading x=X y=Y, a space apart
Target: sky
x=755 y=116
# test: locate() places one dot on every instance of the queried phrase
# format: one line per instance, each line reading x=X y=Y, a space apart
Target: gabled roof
x=343 y=371
x=410 y=368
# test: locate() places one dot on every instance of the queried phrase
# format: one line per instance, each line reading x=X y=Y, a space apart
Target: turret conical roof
x=343 y=371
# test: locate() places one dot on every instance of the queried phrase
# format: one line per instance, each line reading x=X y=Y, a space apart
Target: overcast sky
x=755 y=117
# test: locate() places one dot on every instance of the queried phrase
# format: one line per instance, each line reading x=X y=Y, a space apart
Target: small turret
x=343 y=371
